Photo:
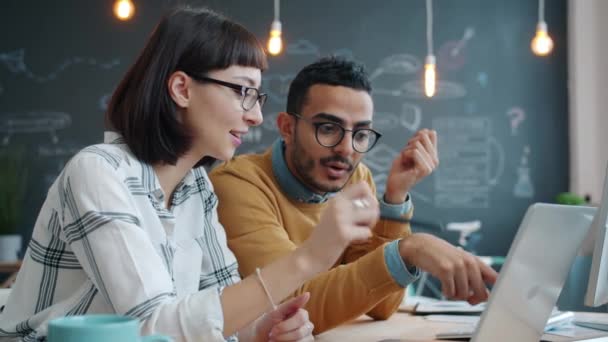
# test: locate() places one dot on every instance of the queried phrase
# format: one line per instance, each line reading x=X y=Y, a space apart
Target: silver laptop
x=535 y=270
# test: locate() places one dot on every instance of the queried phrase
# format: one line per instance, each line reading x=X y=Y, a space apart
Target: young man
x=269 y=203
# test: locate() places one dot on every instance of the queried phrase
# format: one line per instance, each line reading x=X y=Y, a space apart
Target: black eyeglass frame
x=260 y=97
x=317 y=125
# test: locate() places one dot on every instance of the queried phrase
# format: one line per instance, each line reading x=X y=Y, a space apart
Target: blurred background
x=514 y=127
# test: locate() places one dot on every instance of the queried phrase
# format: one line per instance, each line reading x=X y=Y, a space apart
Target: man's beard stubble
x=305 y=165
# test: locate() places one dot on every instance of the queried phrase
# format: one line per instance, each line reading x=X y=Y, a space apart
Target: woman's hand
x=288 y=322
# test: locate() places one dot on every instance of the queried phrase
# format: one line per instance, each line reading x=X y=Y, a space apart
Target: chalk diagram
x=482 y=79
x=392 y=70
x=399 y=64
x=58 y=155
x=470 y=107
x=14 y=61
x=410 y=118
x=469 y=154
x=524 y=187
x=379 y=161
x=303 y=47
x=385 y=121
x=517 y=115
x=277 y=87
x=446 y=90
x=33 y=122
x=451 y=55
x=345 y=53
x=104 y=101
x=270 y=122
x=254 y=136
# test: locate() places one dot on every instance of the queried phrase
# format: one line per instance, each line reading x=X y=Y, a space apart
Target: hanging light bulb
x=124 y=9
x=541 y=44
x=430 y=75
x=275 y=43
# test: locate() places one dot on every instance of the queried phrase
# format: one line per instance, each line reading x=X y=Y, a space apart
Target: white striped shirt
x=105 y=243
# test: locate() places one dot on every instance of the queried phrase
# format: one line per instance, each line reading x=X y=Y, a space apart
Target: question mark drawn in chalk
x=517 y=116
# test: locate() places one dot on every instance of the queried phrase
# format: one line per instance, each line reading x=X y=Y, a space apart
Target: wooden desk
x=397 y=328
x=401 y=327
x=12 y=268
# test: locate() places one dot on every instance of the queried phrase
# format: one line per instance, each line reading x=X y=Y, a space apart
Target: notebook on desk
x=535 y=270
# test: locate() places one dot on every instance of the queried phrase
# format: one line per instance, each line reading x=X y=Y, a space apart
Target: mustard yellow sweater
x=263 y=224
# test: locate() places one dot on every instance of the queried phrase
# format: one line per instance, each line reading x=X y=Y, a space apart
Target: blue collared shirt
x=402 y=274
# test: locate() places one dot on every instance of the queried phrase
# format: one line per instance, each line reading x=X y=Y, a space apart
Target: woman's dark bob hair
x=186 y=39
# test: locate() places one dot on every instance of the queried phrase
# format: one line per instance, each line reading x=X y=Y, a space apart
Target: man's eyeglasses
x=249 y=95
x=330 y=134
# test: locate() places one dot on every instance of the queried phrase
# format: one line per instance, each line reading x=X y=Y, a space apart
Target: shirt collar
x=288 y=182
x=150 y=181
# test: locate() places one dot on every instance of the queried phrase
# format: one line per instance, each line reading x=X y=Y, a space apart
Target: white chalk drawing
x=388 y=92
x=104 y=101
x=277 y=87
x=302 y=47
x=450 y=55
x=482 y=79
x=381 y=157
x=380 y=181
x=346 y=53
x=33 y=122
x=446 y=90
x=470 y=107
x=253 y=136
x=270 y=122
x=400 y=64
x=58 y=150
x=417 y=196
x=469 y=33
x=389 y=76
x=524 y=187
x=517 y=116
x=379 y=161
x=14 y=61
x=385 y=121
x=467 y=150
x=411 y=116
x=58 y=154
x=500 y=160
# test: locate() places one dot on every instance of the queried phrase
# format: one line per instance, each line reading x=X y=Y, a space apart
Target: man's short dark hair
x=187 y=39
x=336 y=71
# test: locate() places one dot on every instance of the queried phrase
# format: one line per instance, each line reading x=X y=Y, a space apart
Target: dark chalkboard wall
x=501 y=112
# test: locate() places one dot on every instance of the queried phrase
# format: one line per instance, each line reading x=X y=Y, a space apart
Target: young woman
x=130 y=226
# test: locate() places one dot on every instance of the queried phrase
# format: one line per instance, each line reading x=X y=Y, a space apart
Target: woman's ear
x=178 y=88
x=286 y=124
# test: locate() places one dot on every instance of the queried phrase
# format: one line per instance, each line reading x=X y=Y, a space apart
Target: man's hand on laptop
x=463 y=276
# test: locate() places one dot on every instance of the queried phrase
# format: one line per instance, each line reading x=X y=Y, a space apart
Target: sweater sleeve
x=384 y=232
x=249 y=211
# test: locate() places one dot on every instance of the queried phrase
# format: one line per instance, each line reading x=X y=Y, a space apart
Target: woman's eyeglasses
x=249 y=95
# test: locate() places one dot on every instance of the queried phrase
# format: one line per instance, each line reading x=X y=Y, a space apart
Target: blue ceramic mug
x=99 y=328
